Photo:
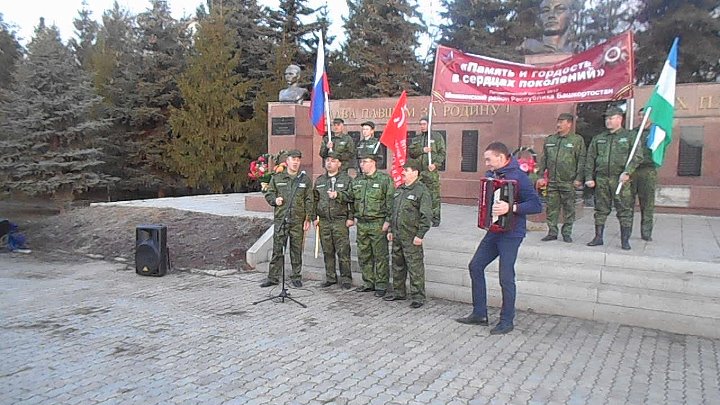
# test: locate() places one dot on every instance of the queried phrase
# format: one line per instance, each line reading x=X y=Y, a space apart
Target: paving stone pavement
x=95 y=333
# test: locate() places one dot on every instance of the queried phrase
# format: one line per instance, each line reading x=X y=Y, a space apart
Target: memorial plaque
x=283 y=126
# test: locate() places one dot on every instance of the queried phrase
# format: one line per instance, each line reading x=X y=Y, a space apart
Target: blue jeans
x=492 y=246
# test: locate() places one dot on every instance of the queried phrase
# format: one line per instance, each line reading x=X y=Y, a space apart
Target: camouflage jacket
x=337 y=208
x=437 y=147
x=608 y=153
x=645 y=153
x=368 y=146
x=283 y=185
x=412 y=211
x=373 y=196
x=343 y=145
x=564 y=158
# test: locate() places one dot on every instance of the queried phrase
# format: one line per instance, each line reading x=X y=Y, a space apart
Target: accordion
x=492 y=190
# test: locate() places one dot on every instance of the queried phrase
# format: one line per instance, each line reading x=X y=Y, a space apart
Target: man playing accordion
x=501 y=242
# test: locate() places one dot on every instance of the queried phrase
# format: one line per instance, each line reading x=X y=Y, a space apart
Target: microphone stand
x=283 y=231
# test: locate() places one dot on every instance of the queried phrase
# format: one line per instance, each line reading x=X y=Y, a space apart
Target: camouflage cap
x=338 y=121
x=368 y=123
x=613 y=110
x=566 y=117
x=294 y=153
x=333 y=154
x=366 y=155
x=412 y=164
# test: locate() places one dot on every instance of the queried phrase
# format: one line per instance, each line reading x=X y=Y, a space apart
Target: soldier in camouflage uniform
x=411 y=219
x=429 y=175
x=372 y=195
x=564 y=158
x=342 y=144
x=644 y=181
x=289 y=190
x=333 y=215
x=604 y=168
x=368 y=144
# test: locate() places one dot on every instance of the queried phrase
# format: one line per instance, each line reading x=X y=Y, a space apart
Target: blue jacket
x=529 y=201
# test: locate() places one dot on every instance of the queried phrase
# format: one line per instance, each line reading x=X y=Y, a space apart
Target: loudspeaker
x=4 y=233
x=152 y=257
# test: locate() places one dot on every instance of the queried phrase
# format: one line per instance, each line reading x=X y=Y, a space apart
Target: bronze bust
x=556 y=17
x=293 y=93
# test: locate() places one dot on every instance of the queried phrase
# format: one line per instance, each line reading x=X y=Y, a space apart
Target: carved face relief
x=555 y=16
x=291 y=75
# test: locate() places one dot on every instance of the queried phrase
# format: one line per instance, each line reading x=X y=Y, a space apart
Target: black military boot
x=598 y=239
x=625 y=232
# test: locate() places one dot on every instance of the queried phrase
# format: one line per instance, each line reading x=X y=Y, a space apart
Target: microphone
x=332 y=183
x=302 y=174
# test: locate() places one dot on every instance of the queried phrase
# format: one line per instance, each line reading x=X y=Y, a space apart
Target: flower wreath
x=265 y=166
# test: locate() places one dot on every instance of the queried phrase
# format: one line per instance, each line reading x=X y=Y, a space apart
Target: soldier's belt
x=371 y=220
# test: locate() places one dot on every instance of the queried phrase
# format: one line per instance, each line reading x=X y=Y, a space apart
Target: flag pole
x=646 y=114
x=327 y=118
x=430 y=111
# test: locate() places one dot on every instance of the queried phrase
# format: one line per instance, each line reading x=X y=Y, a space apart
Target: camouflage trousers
x=335 y=241
x=560 y=198
x=408 y=260
x=431 y=180
x=277 y=262
x=373 y=255
x=605 y=199
x=644 y=182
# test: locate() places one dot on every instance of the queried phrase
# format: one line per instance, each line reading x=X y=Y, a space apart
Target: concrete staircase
x=669 y=294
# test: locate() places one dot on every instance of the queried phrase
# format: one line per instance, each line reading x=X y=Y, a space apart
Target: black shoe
x=567 y=239
x=394 y=297
x=647 y=238
x=296 y=283
x=549 y=237
x=435 y=224
x=346 y=286
x=416 y=304
x=501 y=329
x=268 y=283
x=328 y=284
x=473 y=320
x=379 y=293
x=625 y=232
x=598 y=239
x=364 y=289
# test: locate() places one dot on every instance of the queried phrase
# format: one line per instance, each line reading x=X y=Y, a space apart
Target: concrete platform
x=672 y=283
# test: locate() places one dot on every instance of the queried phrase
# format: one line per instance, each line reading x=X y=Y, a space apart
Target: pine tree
x=493 y=28
x=382 y=36
x=601 y=20
x=51 y=133
x=86 y=30
x=163 y=42
x=210 y=143
x=256 y=42
x=287 y=21
x=696 y=22
x=10 y=53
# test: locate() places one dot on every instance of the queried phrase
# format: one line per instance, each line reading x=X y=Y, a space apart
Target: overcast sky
x=25 y=14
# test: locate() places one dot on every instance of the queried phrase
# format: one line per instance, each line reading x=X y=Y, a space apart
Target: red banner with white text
x=602 y=73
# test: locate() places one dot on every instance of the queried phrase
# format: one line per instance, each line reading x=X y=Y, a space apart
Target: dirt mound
x=195 y=240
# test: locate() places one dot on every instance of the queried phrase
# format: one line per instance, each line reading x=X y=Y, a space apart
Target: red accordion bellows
x=492 y=190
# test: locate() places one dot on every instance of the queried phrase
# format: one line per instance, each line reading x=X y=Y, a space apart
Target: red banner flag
x=602 y=73
x=395 y=138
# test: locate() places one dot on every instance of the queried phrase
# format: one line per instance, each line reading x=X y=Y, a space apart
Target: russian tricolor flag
x=320 y=92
